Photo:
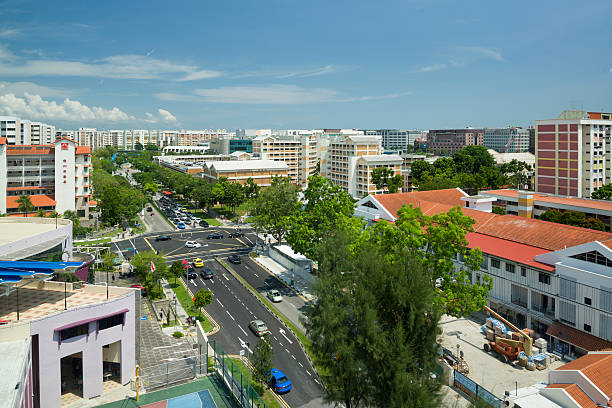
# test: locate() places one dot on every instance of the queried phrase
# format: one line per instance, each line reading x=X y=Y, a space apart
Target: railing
x=519 y=302
x=543 y=310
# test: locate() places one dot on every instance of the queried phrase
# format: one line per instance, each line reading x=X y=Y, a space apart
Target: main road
x=234 y=306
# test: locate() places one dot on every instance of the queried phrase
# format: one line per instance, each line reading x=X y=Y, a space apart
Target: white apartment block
x=507 y=140
x=395 y=139
x=55 y=176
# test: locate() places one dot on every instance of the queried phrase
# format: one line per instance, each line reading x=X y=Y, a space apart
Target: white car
x=192 y=244
x=196 y=219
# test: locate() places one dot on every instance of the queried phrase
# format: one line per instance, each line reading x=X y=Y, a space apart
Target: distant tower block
x=525 y=204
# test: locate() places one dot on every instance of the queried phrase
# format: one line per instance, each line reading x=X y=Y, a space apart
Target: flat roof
x=552 y=199
x=16 y=228
x=230 y=165
x=12 y=365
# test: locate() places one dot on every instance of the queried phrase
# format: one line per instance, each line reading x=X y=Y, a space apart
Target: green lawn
x=93 y=242
x=239 y=367
x=183 y=297
x=227 y=211
x=205 y=216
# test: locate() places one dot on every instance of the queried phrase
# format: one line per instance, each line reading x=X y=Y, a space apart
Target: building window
x=112 y=321
x=495 y=263
x=523 y=272
x=544 y=278
x=587 y=327
x=74 y=331
x=587 y=301
x=510 y=268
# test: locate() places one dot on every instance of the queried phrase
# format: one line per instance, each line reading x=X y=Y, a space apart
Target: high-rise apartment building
x=394 y=139
x=280 y=149
x=573 y=153
x=507 y=140
x=448 y=141
x=55 y=176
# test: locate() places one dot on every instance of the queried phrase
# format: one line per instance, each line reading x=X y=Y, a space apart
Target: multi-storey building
x=394 y=139
x=448 y=141
x=531 y=130
x=408 y=159
x=41 y=133
x=553 y=278
x=23 y=132
x=573 y=153
x=239 y=171
x=507 y=140
x=240 y=145
x=55 y=176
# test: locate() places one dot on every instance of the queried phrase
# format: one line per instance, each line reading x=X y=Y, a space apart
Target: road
x=234 y=306
x=155 y=222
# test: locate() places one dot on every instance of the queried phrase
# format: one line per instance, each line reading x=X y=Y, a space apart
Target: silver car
x=259 y=328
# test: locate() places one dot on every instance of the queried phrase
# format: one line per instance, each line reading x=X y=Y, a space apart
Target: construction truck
x=509 y=349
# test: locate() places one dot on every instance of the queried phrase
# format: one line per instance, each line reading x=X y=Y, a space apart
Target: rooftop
x=581 y=339
x=577 y=394
x=12 y=366
x=16 y=228
x=559 y=201
x=233 y=165
x=38 y=200
x=383 y=158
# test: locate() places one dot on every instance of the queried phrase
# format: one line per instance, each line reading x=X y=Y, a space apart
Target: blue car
x=181 y=225
x=279 y=381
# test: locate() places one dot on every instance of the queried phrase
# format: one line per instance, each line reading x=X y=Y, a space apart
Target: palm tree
x=25 y=204
x=40 y=213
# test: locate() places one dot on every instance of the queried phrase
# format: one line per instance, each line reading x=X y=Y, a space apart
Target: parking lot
x=486 y=369
x=180 y=217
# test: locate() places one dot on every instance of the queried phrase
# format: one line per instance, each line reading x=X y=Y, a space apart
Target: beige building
x=239 y=171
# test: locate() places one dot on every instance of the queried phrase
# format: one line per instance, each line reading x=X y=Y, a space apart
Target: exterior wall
x=286 y=150
x=10 y=127
x=260 y=177
x=507 y=140
x=51 y=351
x=576 y=377
x=240 y=145
x=3 y=179
x=83 y=185
x=448 y=141
x=65 y=151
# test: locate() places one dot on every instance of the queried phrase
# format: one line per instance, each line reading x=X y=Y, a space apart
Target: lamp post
x=106 y=281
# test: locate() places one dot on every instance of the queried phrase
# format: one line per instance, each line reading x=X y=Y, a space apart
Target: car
x=162 y=238
x=149 y=209
x=204 y=224
x=259 y=328
x=180 y=225
x=184 y=218
x=143 y=290
x=279 y=381
x=235 y=259
x=191 y=275
x=192 y=244
x=196 y=219
x=206 y=273
x=235 y=234
x=215 y=235
x=198 y=262
x=274 y=295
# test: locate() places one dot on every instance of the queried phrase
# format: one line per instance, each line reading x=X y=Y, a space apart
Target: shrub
x=177 y=334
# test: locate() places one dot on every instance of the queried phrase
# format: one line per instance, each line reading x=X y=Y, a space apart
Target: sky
x=289 y=64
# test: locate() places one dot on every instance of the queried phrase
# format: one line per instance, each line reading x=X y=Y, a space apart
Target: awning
x=577 y=338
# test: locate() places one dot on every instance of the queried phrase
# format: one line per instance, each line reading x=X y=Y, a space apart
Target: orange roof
x=2 y=140
x=577 y=338
x=38 y=200
x=29 y=188
x=568 y=201
x=426 y=200
x=29 y=149
x=93 y=203
x=83 y=150
x=577 y=394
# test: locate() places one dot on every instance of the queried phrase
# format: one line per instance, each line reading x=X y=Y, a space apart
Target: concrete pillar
x=92 y=370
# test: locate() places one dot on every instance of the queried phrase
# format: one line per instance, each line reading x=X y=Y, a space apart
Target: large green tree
x=603 y=193
x=234 y=196
x=276 y=206
x=176 y=270
x=384 y=179
x=25 y=205
x=262 y=360
x=202 y=299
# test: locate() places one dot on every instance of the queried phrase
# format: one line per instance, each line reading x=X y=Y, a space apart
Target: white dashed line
x=287 y=351
x=317 y=381
x=256 y=275
x=308 y=372
x=230 y=315
x=275 y=338
x=281 y=344
x=300 y=364
x=245 y=333
x=219 y=302
x=293 y=357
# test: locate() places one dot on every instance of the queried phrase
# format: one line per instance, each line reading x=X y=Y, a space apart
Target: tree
x=108 y=262
x=142 y=266
x=152 y=147
x=419 y=168
x=517 y=173
x=251 y=190
x=603 y=193
x=77 y=229
x=262 y=360
x=138 y=146
x=276 y=206
x=151 y=188
x=202 y=299
x=233 y=196
x=202 y=194
x=40 y=213
x=25 y=204
x=384 y=178
x=471 y=159
x=498 y=210
x=326 y=203
x=176 y=270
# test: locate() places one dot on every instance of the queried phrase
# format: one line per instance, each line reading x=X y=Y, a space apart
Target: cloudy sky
x=303 y=64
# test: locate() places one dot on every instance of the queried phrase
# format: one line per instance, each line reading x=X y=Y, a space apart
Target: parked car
x=279 y=381
x=162 y=238
x=198 y=262
x=180 y=225
x=196 y=219
x=206 y=273
x=215 y=235
x=235 y=259
x=143 y=290
x=204 y=224
x=259 y=328
x=274 y=295
x=192 y=244
x=191 y=275
x=149 y=209
x=235 y=234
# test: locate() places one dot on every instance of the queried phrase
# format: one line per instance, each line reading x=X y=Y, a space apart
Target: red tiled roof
x=521 y=253
x=83 y=150
x=546 y=198
x=2 y=140
x=426 y=200
x=29 y=188
x=93 y=203
x=30 y=214
x=577 y=338
x=577 y=394
x=38 y=200
x=597 y=367
x=15 y=150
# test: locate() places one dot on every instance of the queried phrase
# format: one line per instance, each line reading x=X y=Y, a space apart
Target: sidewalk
x=301 y=285
x=180 y=311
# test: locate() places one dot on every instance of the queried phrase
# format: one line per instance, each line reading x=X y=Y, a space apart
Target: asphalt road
x=234 y=306
x=155 y=221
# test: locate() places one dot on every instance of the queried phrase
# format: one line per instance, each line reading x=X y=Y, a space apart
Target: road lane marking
x=219 y=302
x=308 y=372
x=245 y=333
x=226 y=278
x=317 y=381
x=287 y=351
x=256 y=275
x=148 y=243
x=300 y=364
x=244 y=345
x=293 y=357
x=282 y=332
x=281 y=344
x=241 y=241
x=173 y=345
x=230 y=315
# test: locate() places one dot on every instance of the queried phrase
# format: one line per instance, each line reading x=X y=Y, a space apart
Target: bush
x=177 y=334
x=253 y=254
x=259 y=388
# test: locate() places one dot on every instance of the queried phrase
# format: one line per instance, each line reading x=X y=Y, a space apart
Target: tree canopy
x=603 y=193
x=276 y=207
x=25 y=205
x=384 y=179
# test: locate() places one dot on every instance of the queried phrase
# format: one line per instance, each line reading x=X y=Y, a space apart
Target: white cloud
x=483 y=52
x=149 y=118
x=11 y=32
x=462 y=56
x=35 y=107
x=326 y=70
x=269 y=95
x=21 y=88
x=128 y=66
x=166 y=116
x=431 y=68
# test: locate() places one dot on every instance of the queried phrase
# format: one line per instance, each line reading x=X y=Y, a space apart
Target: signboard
x=143 y=318
x=64 y=146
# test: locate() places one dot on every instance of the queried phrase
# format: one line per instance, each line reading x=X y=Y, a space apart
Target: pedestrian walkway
x=293 y=279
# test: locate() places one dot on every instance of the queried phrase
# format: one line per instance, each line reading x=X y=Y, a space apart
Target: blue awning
x=14 y=271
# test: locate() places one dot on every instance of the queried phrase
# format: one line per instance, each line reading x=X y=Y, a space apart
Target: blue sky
x=303 y=64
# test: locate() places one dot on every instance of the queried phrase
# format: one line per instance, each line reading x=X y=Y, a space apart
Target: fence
x=171 y=372
x=235 y=379
x=473 y=390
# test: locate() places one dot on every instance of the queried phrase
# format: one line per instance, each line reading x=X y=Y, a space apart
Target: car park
x=279 y=381
x=192 y=244
x=235 y=259
x=198 y=262
x=206 y=273
x=274 y=295
x=235 y=234
x=259 y=328
x=162 y=238
x=215 y=235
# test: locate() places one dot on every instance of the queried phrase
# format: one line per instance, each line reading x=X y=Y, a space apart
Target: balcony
x=545 y=311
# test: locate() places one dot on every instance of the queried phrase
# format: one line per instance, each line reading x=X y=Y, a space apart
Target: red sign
x=64 y=146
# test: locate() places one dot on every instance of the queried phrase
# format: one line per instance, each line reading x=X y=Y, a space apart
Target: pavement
x=300 y=284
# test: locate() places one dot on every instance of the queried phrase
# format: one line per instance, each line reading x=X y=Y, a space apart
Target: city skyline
x=404 y=65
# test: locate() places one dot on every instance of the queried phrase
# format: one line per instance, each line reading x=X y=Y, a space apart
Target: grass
x=142 y=226
x=238 y=368
x=227 y=211
x=183 y=297
x=205 y=216
x=93 y=242
x=172 y=323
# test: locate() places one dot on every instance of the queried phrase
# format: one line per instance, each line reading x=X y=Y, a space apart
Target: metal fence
x=175 y=371
x=235 y=379
x=473 y=390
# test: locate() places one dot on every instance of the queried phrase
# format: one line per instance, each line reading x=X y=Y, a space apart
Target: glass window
x=523 y=272
x=495 y=263
x=587 y=327
x=587 y=301
x=110 y=321
x=74 y=331
x=544 y=278
x=510 y=268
